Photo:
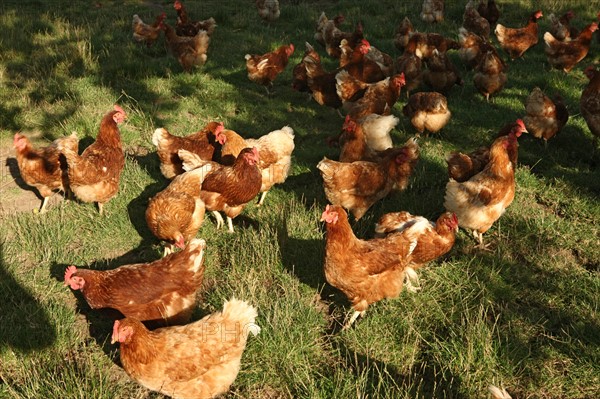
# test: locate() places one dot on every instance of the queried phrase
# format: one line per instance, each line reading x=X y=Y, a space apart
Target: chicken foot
x=409 y=277
x=353 y=318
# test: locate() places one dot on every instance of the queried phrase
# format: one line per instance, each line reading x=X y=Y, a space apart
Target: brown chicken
x=545 y=117
x=474 y=22
x=94 y=175
x=427 y=241
x=268 y=10
x=432 y=11
x=228 y=188
x=358 y=185
x=360 y=66
x=461 y=167
x=163 y=291
x=176 y=213
x=428 y=111
x=560 y=27
x=263 y=69
x=379 y=98
x=299 y=74
x=515 y=41
x=474 y=47
x=403 y=32
x=203 y=143
x=375 y=59
x=197 y=361
x=489 y=76
x=324 y=23
x=366 y=271
x=489 y=10
x=481 y=200
x=190 y=51
x=332 y=36
x=565 y=55
x=186 y=27
x=441 y=74
x=589 y=103
x=274 y=150
x=423 y=44
x=321 y=83
x=412 y=68
x=353 y=143
x=44 y=168
x=144 y=33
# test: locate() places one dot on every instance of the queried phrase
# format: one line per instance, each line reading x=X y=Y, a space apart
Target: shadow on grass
x=25 y=325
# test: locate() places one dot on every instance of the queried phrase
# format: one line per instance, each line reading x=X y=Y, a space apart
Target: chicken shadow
x=25 y=326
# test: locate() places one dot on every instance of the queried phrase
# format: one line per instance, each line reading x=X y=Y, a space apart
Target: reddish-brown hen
x=44 y=168
x=428 y=111
x=186 y=27
x=263 y=69
x=379 y=98
x=197 y=361
x=358 y=185
x=203 y=143
x=144 y=33
x=489 y=11
x=489 y=76
x=176 y=213
x=589 y=103
x=163 y=291
x=190 y=51
x=366 y=271
x=94 y=175
x=560 y=27
x=475 y=22
x=515 y=41
x=545 y=117
x=565 y=55
x=441 y=74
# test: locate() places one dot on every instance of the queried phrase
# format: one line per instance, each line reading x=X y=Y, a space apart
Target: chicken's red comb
x=255 y=152
x=455 y=218
x=593 y=26
x=119 y=109
x=291 y=46
x=538 y=14
x=220 y=127
x=365 y=42
x=69 y=273
x=177 y=5
x=115 y=334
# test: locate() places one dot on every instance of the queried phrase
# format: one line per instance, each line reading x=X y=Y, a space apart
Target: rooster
x=199 y=360
x=44 y=168
x=94 y=175
x=161 y=291
x=263 y=69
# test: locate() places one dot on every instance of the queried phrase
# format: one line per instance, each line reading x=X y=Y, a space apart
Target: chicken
x=332 y=36
x=498 y=393
x=228 y=188
x=489 y=11
x=515 y=41
x=176 y=213
x=428 y=111
x=474 y=47
x=489 y=76
x=441 y=74
x=94 y=175
x=190 y=51
x=299 y=74
x=186 y=27
x=481 y=200
x=366 y=271
x=377 y=130
x=162 y=292
x=461 y=167
x=560 y=27
x=403 y=32
x=544 y=117
x=565 y=55
x=360 y=66
x=203 y=143
x=380 y=61
x=353 y=142
x=427 y=240
x=263 y=69
x=412 y=68
x=361 y=140
x=432 y=11
x=589 y=103
x=379 y=98
x=474 y=22
x=358 y=185
x=321 y=83
x=423 y=44
x=197 y=361
x=144 y=33
x=268 y=10
x=326 y=24
x=44 y=168
x=274 y=150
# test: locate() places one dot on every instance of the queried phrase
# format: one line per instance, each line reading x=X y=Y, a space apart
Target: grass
x=524 y=316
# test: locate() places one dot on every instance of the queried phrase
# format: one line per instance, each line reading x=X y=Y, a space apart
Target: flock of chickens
x=218 y=170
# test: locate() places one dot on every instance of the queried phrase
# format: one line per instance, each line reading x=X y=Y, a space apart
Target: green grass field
x=523 y=316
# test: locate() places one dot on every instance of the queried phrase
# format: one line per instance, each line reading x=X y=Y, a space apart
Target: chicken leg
x=262 y=198
x=44 y=203
x=220 y=221
x=229 y=224
x=352 y=319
